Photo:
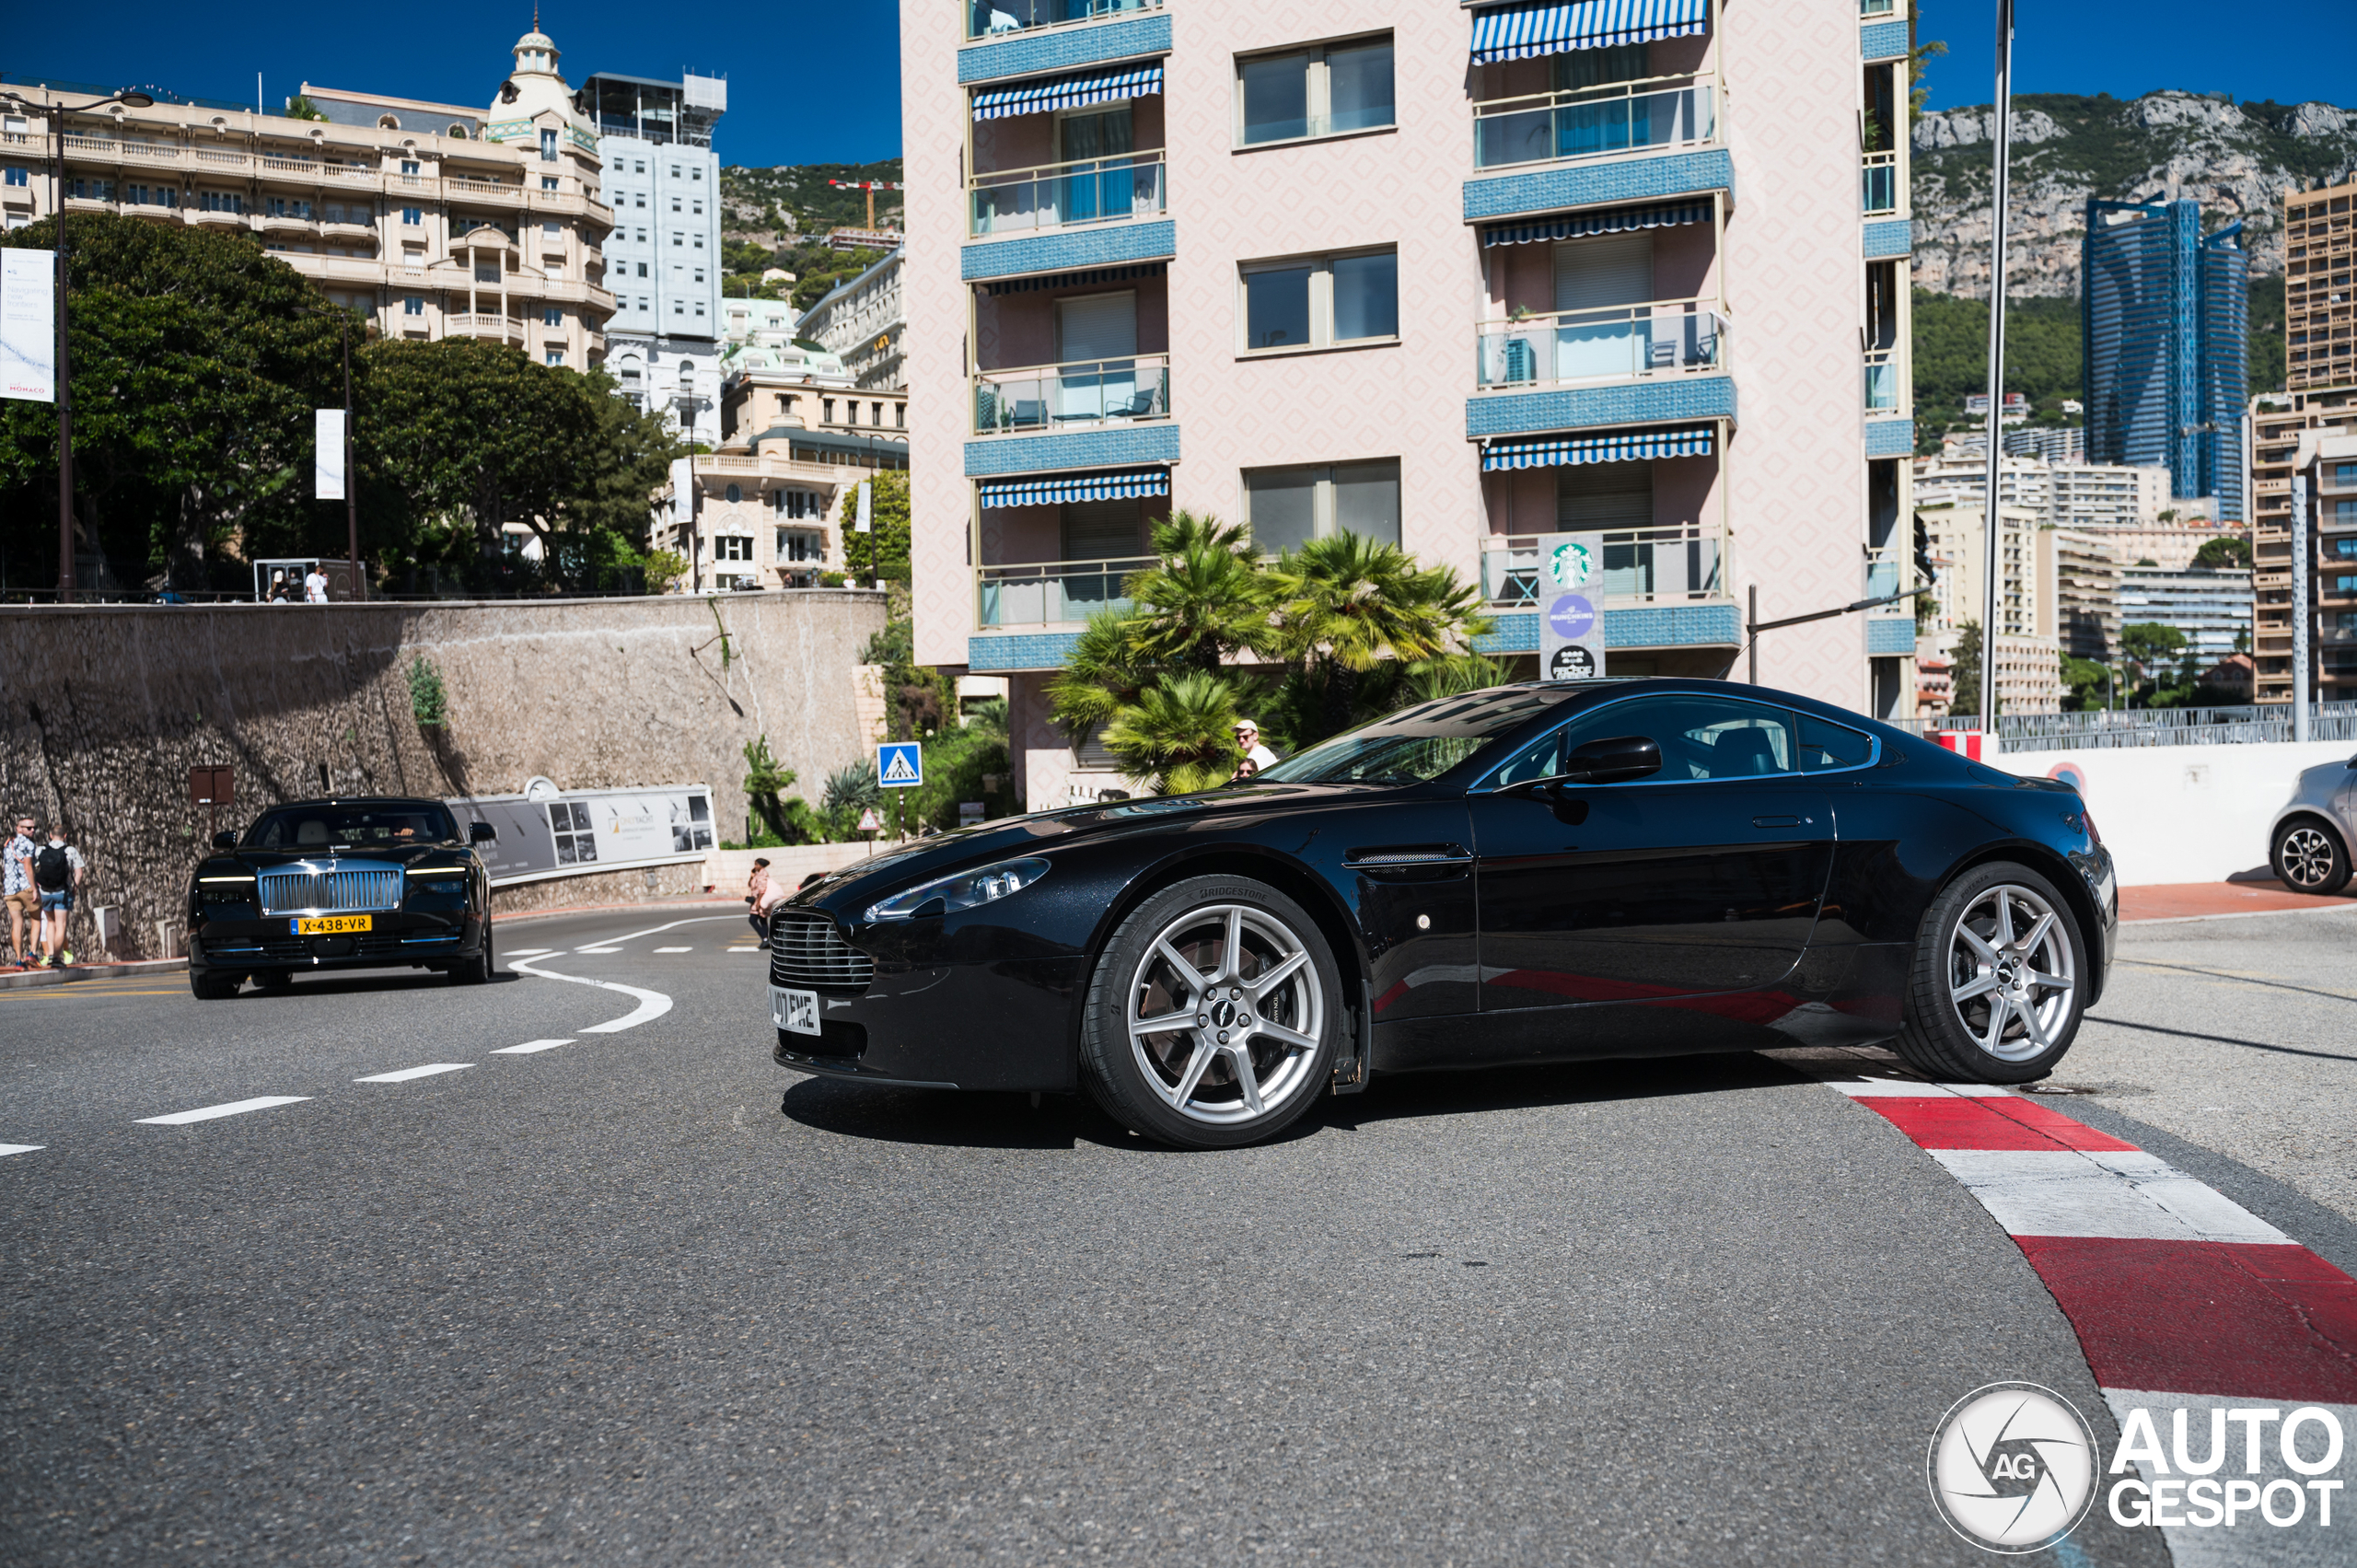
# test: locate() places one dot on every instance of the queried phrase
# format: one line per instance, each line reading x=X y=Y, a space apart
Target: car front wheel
x=210 y=985
x=476 y=970
x=1999 y=981
x=1213 y=1017
x=2310 y=859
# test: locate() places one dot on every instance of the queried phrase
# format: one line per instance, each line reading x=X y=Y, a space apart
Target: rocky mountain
x=2236 y=159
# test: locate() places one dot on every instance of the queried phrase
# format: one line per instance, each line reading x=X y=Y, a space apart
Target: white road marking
x=652 y=1005
x=406 y=1074
x=529 y=952
x=744 y=949
x=608 y=944
x=529 y=1046
x=597 y=950
x=2113 y=1192
x=675 y=950
x=7 y=1149
x=235 y=1107
x=1913 y=1088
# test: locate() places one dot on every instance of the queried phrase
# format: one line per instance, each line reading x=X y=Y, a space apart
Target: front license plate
x=797 y=1011
x=328 y=925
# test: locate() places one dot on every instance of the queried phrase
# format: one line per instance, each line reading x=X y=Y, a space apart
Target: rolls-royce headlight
x=967 y=889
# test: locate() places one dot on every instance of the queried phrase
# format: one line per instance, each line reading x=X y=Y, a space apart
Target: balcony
x=503 y=328
x=489 y=191
x=1658 y=340
x=1878 y=184
x=1065 y=397
x=1066 y=195
x=1680 y=564
x=1005 y=18
x=1051 y=593
x=1658 y=114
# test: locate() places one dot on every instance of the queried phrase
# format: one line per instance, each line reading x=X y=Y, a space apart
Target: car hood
x=381 y=855
x=1041 y=830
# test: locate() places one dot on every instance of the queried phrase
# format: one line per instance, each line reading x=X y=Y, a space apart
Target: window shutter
x=1610 y=270
x=1103 y=326
x=1101 y=531
x=1604 y=495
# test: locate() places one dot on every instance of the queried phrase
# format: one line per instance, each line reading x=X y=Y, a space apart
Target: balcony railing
x=1882 y=381
x=1662 y=337
x=1661 y=565
x=994 y=19
x=1665 y=111
x=1878 y=183
x=1066 y=195
x=1050 y=397
x=1051 y=593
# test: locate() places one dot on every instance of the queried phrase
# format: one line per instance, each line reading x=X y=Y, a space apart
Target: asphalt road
x=606 y=1302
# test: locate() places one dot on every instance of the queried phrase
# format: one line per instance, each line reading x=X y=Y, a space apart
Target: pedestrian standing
x=315 y=585
x=16 y=879
x=755 y=886
x=1247 y=740
x=278 y=587
x=57 y=872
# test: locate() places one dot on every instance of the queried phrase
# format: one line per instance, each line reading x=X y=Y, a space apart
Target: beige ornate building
x=434 y=219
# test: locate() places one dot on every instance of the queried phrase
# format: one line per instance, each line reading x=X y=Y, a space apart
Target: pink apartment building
x=1453 y=276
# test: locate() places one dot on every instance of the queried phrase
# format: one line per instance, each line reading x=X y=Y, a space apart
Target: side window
x=1700 y=738
x=1826 y=746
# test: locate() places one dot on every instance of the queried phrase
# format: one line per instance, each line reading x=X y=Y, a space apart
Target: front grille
x=806 y=952
x=336 y=891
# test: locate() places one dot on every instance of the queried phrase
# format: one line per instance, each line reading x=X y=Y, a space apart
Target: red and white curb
x=2226 y=1350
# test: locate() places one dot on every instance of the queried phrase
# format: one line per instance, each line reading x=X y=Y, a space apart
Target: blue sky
x=821 y=83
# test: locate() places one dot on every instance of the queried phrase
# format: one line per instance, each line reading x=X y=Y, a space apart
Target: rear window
x=1416 y=744
x=327 y=827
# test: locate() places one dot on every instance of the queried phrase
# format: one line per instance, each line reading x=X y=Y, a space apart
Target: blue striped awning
x=998 y=493
x=1617 y=220
x=1620 y=446
x=1549 y=27
x=1042 y=94
x=1079 y=279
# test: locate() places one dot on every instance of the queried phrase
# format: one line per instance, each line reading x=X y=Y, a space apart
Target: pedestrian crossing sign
x=899 y=764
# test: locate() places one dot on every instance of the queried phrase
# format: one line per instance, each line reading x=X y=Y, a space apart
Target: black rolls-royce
x=371 y=882
x=1533 y=873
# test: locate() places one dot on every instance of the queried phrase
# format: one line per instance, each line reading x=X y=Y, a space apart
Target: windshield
x=1416 y=744
x=391 y=824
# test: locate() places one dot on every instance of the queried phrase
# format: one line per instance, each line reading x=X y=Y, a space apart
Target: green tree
x=1102 y=675
x=1965 y=675
x=2087 y=684
x=882 y=552
x=197 y=361
x=659 y=569
x=960 y=762
x=1178 y=732
x=1204 y=597
x=2150 y=643
x=301 y=108
x=2230 y=553
x=1345 y=603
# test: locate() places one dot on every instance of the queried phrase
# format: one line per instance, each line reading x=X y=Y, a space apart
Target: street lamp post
x=56 y=113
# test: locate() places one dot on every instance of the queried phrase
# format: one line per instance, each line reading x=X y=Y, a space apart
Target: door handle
x=1775 y=821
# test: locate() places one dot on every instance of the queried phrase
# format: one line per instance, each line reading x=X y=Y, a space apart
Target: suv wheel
x=1999 y=980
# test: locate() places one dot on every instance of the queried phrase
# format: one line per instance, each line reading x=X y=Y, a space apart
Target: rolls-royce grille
x=336 y=891
x=806 y=952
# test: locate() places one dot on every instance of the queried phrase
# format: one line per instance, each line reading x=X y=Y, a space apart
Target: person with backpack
x=57 y=871
x=16 y=877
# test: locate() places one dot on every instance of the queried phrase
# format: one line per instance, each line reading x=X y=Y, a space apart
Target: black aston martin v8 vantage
x=1528 y=874
x=358 y=883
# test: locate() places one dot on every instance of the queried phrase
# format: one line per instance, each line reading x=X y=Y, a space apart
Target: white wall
x=2183 y=813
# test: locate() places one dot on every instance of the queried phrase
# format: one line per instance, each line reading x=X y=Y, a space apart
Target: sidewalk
x=17 y=980
x=2187 y=901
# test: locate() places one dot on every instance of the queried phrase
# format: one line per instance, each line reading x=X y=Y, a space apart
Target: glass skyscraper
x=2165 y=313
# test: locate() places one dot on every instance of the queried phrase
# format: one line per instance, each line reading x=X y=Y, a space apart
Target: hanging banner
x=29 y=325
x=327 y=453
x=1571 y=604
x=864 y=514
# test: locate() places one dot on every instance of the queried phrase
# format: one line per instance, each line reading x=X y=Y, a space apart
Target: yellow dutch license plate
x=328 y=925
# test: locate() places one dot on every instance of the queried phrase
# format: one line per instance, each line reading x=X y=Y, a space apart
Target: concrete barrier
x=2183 y=813
x=725 y=870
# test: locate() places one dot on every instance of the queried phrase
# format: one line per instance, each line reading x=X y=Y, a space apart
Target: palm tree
x=1345 y=602
x=1177 y=732
x=1206 y=598
x=1101 y=675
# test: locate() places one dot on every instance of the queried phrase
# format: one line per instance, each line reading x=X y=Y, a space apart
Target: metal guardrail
x=2119 y=730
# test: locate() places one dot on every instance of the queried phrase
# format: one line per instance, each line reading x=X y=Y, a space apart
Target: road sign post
x=899 y=764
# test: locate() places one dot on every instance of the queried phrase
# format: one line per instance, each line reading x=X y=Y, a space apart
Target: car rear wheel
x=1998 y=981
x=1213 y=1017
x=210 y=985
x=2310 y=859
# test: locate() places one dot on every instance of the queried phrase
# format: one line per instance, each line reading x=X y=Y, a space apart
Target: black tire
x=274 y=980
x=1945 y=1035
x=1153 y=1084
x=476 y=970
x=2309 y=857
x=210 y=985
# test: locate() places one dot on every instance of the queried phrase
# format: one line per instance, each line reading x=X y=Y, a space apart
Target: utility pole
x=2300 y=614
x=351 y=475
x=1993 y=543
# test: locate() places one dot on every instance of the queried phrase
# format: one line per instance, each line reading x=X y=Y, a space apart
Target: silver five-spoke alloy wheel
x=1225 y=1014
x=2010 y=974
x=2306 y=856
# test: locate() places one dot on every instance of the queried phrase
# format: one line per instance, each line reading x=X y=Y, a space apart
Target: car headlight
x=967 y=889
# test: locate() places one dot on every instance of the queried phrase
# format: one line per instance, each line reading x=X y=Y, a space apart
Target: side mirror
x=1610 y=762
x=225 y=840
x=482 y=834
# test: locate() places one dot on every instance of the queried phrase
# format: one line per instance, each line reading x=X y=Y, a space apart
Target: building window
x=697 y=209
x=800 y=503
x=2342 y=473
x=1321 y=300
x=678 y=307
x=699 y=241
x=695 y=174
x=2345 y=548
x=641 y=268
x=828 y=405
x=900 y=416
x=675 y=203
x=1321 y=91
x=548 y=181
x=1287 y=508
x=413 y=305
x=413 y=217
x=731 y=547
x=644 y=303
x=556 y=356
x=735 y=493
x=678 y=240
x=674 y=171
x=551 y=316
x=876 y=414
x=548 y=145
x=639 y=167
x=16 y=176
x=408 y=166
x=800 y=545
x=641 y=201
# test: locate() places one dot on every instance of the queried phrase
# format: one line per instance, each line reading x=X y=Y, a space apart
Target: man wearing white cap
x=1247 y=740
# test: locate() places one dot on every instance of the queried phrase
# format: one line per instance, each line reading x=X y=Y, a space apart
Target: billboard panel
x=578 y=831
